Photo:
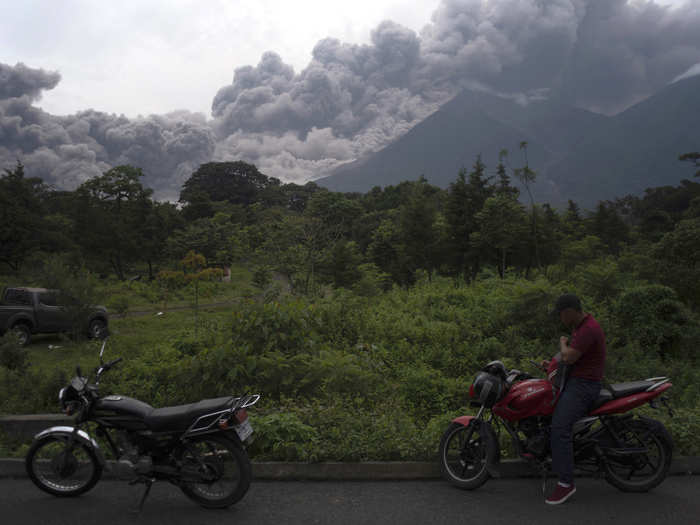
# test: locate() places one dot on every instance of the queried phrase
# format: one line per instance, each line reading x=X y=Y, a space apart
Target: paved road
x=506 y=501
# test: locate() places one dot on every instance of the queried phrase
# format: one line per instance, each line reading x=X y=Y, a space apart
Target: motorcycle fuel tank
x=122 y=411
x=532 y=397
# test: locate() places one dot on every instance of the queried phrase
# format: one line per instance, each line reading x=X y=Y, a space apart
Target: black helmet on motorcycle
x=496 y=368
x=487 y=389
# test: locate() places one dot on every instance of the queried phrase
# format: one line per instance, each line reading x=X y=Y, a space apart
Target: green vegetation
x=346 y=377
x=361 y=319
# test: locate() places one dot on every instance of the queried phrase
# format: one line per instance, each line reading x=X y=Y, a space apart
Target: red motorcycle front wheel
x=465 y=453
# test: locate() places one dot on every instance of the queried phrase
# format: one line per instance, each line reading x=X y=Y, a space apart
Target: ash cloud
x=601 y=55
x=21 y=80
x=351 y=100
x=68 y=150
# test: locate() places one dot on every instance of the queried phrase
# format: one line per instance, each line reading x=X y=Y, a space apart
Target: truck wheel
x=96 y=328
x=23 y=333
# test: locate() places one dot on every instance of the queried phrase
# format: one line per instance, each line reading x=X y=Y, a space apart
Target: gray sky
x=155 y=56
x=299 y=88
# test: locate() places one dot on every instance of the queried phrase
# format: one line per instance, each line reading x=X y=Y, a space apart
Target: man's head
x=568 y=308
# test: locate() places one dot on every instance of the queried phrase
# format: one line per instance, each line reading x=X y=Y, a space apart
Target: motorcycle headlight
x=68 y=398
x=62 y=395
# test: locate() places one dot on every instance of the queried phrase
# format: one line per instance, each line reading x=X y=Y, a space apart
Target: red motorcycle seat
x=627 y=389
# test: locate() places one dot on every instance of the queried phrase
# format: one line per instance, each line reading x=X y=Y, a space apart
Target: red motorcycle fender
x=463 y=420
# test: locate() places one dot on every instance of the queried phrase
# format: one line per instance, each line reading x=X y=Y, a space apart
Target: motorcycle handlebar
x=112 y=363
x=537 y=365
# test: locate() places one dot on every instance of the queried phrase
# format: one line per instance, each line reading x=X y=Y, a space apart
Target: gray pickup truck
x=30 y=311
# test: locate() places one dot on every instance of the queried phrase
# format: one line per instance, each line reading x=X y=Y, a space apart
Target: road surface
x=504 y=501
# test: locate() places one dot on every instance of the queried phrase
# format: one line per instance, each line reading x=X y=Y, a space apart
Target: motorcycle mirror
x=78 y=372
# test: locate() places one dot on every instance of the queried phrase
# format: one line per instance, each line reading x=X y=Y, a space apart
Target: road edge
x=367 y=471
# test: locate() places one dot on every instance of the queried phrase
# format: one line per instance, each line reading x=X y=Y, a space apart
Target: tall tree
x=607 y=225
x=503 y=185
x=693 y=158
x=110 y=213
x=21 y=216
x=527 y=176
x=502 y=224
x=464 y=200
x=417 y=217
x=236 y=182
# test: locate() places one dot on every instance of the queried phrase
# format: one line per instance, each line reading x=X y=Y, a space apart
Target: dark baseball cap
x=567 y=300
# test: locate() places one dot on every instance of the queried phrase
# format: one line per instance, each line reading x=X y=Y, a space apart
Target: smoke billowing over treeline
x=602 y=55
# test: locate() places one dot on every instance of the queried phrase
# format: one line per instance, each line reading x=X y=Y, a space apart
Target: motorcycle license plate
x=244 y=430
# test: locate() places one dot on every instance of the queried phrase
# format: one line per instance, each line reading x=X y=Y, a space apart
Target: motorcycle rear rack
x=206 y=423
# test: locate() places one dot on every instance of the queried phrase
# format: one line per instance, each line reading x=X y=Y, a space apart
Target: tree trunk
x=116 y=263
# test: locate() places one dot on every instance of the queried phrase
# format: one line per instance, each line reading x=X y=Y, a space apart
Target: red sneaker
x=560 y=494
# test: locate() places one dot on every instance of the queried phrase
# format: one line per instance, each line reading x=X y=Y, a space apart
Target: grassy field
x=353 y=378
x=129 y=337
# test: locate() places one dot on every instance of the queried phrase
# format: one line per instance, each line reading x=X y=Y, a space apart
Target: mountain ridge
x=577 y=154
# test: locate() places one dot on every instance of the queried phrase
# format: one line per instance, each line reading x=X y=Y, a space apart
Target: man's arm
x=567 y=353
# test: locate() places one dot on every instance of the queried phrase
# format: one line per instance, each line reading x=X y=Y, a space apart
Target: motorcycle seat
x=182 y=416
x=626 y=389
x=604 y=396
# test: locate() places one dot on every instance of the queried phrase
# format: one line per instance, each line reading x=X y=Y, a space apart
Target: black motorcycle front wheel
x=60 y=469
x=216 y=471
x=640 y=472
x=465 y=453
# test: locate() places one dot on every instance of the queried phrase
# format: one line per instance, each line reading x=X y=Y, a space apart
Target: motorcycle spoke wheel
x=60 y=470
x=222 y=471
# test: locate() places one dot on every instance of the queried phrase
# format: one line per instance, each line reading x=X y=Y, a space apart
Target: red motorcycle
x=633 y=453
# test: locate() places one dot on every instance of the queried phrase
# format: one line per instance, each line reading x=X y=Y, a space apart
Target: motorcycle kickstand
x=544 y=472
x=148 y=482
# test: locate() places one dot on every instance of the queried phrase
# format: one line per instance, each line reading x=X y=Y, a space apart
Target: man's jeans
x=574 y=403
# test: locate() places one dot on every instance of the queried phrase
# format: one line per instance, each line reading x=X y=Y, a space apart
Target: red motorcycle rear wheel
x=642 y=472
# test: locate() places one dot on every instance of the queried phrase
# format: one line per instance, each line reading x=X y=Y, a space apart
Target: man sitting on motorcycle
x=584 y=353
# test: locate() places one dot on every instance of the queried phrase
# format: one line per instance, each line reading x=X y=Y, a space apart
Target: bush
x=262 y=277
x=12 y=355
x=283 y=437
x=288 y=327
x=424 y=389
x=119 y=303
x=372 y=280
x=685 y=428
x=652 y=316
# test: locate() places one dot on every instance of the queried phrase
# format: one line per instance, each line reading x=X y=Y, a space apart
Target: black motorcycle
x=199 y=447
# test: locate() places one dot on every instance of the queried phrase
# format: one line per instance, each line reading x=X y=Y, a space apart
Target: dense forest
x=232 y=214
x=382 y=304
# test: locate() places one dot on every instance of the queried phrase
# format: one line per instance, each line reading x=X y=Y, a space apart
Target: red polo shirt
x=589 y=339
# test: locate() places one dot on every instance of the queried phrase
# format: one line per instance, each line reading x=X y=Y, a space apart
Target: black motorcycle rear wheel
x=62 y=471
x=466 y=452
x=641 y=472
x=220 y=466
